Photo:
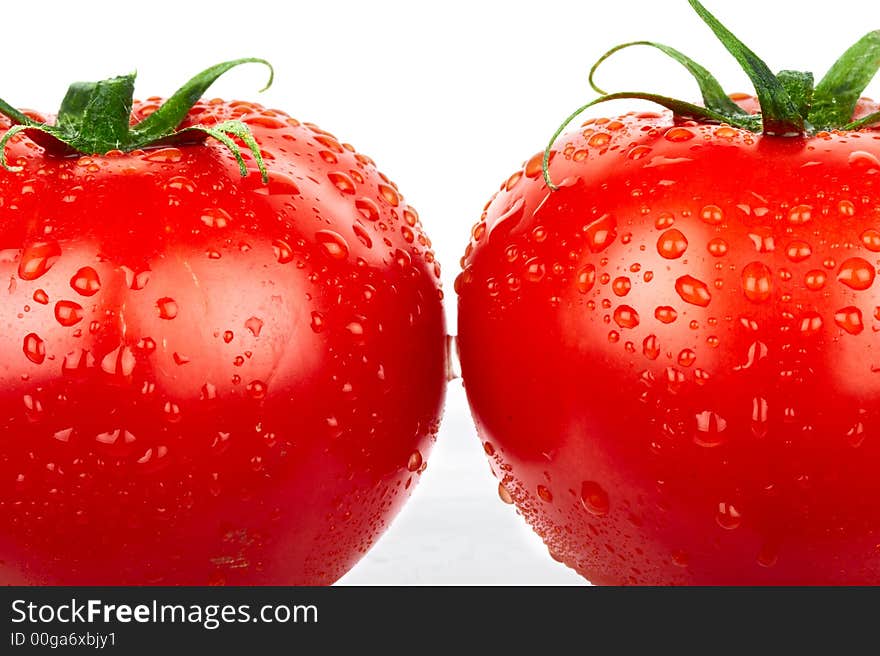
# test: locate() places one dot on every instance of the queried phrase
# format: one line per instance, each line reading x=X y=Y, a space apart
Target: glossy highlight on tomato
x=208 y=378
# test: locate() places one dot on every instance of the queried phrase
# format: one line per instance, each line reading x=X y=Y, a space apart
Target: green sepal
x=836 y=95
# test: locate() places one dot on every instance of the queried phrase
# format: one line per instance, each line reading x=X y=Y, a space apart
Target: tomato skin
x=671 y=360
x=207 y=379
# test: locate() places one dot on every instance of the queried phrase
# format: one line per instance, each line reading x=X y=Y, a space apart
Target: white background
x=449 y=99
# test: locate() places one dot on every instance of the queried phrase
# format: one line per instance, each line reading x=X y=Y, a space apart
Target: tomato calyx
x=95 y=118
x=791 y=105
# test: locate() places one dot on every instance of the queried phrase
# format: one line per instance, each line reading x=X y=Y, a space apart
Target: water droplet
x=164 y=155
x=672 y=244
x=317 y=322
x=679 y=134
x=757 y=282
x=68 y=313
x=119 y=362
x=368 y=209
x=545 y=494
x=850 y=319
x=334 y=244
x=762 y=238
x=255 y=325
x=389 y=195
x=621 y=286
x=34 y=348
x=37 y=259
x=864 y=161
x=342 y=182
x=717 y=247
x=415 y=461
x=687 y=357
x=504 y=495
x=692 y=290
x=77 y=362
x=228 y=336
x=147 y=344
x=86 y=281
x=601 y=233
x=712 y=214
x=871 y=240
x=651 y=347
x=208 y=392
x=665 y=314
x=136 y=281
x=586 y=278
x=800 y=214
x=167 y=308
x=815 y=279
x=362 y=235
x=40 y=296
x=283 y=251
x=594 y=499
x=535 y=270
x=216 y=217
x=710 y=429
x=798 y=251
x=179 y=358
x=257 y=389
x=727 y=516
x=856 y=273
x=664 y=220
x=626 y=317
x=810 y=324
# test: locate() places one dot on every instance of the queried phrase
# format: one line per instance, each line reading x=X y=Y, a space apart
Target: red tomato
x=209 y=379
x=672 y=359
x=670 y=356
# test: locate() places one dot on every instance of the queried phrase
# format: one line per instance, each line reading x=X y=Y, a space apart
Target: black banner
x=287 y=620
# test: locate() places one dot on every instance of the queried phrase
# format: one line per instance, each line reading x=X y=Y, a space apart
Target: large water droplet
x=665 y=314
x=119 y=362
x=672 y=244
x=710 y=429
x=255 y=325
x=798 y=251
x=692 y=290
x=68 y=313
x=850 y=319
x=586 y=278
x=86 y=281
x=856 y=273
x=594 y=499
x=334 y=244
x=283 y=251
x=757 y=282
x=37 y=259
x=167 y=308
x=800 y=214
x=368 y=209
x=342 y=182
x=727 y=516
x=626 y=317
x=34 y=348
x=601 y=233
x=216 y=217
